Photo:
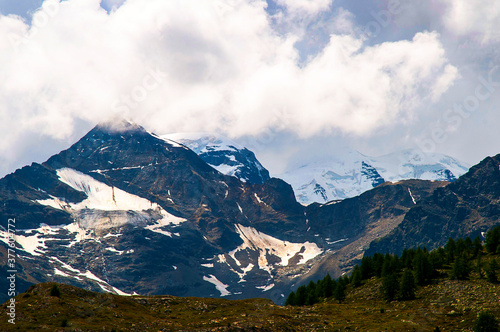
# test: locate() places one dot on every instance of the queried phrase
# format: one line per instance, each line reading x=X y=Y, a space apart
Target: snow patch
x=118 y=252
x=221 y=287
x=265 y=244
x=412 y=198
x=101 y=196
x=265 y=288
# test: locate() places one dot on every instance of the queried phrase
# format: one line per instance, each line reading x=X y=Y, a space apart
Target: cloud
x=479 y=18
x=202 y=66
x=310 y=7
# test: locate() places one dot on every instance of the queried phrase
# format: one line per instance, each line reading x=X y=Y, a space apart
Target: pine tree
x=477 y=247
x=378 y=262
x=491 y=272
x=407 y=258
x=408 y=286
x=356 y=276
x=339 y=292
x=450 y=248
x=460 y=247
x=436 y=259
x=329 y=286
x=390 y=287
x=461 y=269
x=469 y=246
x=290 y=300
x=423 y=268
x=311 y=295
x=367 y=268
x=479 y=267
x=301 y=296
x=492 y=241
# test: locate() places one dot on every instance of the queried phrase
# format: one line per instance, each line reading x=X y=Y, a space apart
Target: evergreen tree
x=367 y=268
x=301 y=296
x=356 y=276
x=391 y=265
x=320 y=288
x=390 y=287
x=486 y=322
x=330 y=285
x=479 y=267
x=491 y=272
x=450 y=248
x=311 y=298
x=460 y=247
x=492 y=241
x=339 y=292
x=378 y=262
x=290 y=300
x=477 y=247
x=461 y=269
x=407 y=258
x=408 y=286
x=423 y=268
x=311 y=295
x=469 y=246
x=436 y=259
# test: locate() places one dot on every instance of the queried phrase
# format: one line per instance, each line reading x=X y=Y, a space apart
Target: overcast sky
x=282 y=76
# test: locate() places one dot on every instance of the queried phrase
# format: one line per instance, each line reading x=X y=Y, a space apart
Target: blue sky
x=281 y=76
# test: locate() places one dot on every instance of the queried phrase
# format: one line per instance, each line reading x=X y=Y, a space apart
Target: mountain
x=466 y=207
x=351 y=173
x=126 y=211
x=224 y=155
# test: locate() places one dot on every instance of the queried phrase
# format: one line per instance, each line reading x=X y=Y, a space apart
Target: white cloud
x=480 y=18
x=310 y=7
x=202 y=66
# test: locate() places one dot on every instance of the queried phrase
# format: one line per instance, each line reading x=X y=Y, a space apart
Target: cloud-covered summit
x=204 y=66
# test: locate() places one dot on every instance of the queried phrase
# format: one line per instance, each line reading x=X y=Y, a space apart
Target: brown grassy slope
x=447 y=304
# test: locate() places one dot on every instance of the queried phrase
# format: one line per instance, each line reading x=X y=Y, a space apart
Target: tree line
x=401 y=275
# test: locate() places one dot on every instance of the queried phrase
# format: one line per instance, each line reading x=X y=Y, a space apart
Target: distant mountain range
x=351 y=173
x=347 y=175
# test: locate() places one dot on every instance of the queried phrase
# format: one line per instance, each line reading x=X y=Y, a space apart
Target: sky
x=290 y=79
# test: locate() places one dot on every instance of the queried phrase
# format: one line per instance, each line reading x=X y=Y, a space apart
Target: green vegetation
x=400 y=276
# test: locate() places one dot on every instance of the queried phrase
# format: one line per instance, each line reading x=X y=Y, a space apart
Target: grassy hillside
x=451 y=305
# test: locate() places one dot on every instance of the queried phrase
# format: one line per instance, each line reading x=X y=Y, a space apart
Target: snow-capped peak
x=223 y=154
x=351 y=173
